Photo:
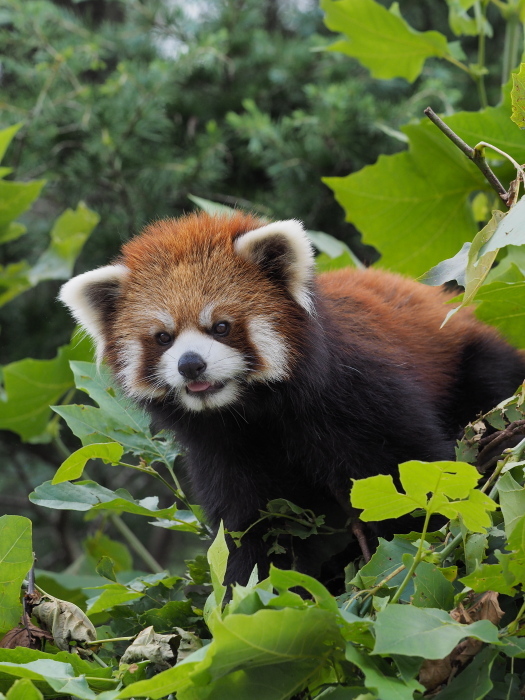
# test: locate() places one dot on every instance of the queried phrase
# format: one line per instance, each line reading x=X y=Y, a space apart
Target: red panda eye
x=221 y=328
x=163 y=338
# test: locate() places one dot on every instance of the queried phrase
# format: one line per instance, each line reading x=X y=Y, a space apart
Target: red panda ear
x=91 y=299
x=283 y=251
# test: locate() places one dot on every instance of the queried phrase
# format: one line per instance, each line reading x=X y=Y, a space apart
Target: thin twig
x=473 y=154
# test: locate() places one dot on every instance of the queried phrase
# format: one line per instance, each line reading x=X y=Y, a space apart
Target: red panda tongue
x=198 y=386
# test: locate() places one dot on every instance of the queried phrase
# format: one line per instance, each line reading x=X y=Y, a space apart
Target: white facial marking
x=206 y=316
x=223 y=364
x=271 y=347
x=301 y=268
x=75 y=295
x=164 y=318
x=131 y=356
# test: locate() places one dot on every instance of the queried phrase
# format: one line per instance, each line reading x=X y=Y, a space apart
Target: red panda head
x=197 y=309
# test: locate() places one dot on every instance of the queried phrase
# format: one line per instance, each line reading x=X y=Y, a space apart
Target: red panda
x=280 y=383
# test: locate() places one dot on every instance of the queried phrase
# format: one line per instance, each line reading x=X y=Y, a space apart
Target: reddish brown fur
x=405 y=317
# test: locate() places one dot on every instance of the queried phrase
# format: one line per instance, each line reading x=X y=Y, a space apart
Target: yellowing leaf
x=380 y=499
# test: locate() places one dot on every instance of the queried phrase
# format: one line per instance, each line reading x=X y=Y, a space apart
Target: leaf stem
x=107 y=641
x=512 y=628
x=415 y=563
x=136 y=544
x=451 y=546
x=476 y=156
x=152 y=472
x=381 y=583
x=479 y=11
x=98 y=660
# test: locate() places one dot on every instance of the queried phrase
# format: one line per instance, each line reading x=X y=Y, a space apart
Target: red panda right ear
x=284 y=253
x=91 y=299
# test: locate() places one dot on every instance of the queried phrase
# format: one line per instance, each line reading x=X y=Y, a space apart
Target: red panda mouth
x=203 y=388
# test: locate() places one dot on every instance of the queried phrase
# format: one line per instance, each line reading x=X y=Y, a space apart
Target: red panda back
x=404 y=317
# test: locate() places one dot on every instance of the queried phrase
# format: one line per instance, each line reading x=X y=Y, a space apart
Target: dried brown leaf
x=435 y=672
x=29 y=636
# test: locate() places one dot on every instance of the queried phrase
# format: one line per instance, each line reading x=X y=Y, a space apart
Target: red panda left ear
x=284 y=253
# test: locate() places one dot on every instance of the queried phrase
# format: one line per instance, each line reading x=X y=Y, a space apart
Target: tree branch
x=475 y=155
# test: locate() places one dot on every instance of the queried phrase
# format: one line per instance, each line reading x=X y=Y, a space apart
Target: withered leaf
x=189 y=643
x=159 y=648
x=66 y=622
x=29 y=636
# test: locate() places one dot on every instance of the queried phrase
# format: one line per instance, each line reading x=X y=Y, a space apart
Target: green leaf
x=218 y=561
x=101 y=545
x=386 y=559
x=380 y=500
x=381 y=40
x=432 y=183
x=284 y=580
x=334 y=253
x=426 y=632
x=73 y=467
x=479 y=261
x=16 y=197
x=431 y=588
x=60 y=676
x=88 y=495
x=382 y=199
x=12 y=231
x=6 y=136
x=509 y=230
x=106 y=569
x=512 y=502
x=211 y=207
x=31 y=385
x=69 y=233
x=449 y=269
x=16 y=558
x=116 y=594
x=502 y=305
x=475 y=547
x=14 y=279
x=378 y=679
x=23 y=689
x=473 y=683
x=117 y=418
x=517 y=96
x=269 y=655
x=490 y=577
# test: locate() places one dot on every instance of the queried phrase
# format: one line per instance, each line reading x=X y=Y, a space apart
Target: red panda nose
x=191 y=365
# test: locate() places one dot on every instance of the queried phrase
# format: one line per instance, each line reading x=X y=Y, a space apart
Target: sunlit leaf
x=73 y=467
x=381 y=40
